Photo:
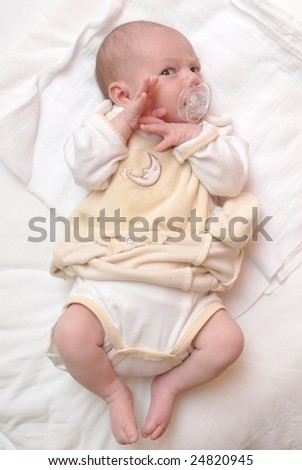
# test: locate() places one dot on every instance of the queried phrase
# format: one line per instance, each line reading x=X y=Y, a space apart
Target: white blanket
x=251 y=55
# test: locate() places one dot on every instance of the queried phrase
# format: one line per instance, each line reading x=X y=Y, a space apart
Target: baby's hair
x=116 y=55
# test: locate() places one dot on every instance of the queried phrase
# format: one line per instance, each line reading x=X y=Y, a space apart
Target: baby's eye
x=195 y=69
x=168 y=72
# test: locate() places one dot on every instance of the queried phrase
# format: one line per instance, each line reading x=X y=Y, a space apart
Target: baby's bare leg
x=79 y=338
x=216 y=346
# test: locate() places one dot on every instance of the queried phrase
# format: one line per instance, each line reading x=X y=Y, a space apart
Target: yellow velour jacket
x=149 y=216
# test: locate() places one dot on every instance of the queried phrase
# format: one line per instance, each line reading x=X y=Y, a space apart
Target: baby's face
x=169 y=56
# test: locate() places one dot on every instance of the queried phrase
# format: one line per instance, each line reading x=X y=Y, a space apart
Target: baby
x=151 y=247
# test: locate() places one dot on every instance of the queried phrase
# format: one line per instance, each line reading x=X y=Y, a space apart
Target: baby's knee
x=234 y=343
x=76 y=328
x=65 y=334
x=223 y=338
x=230 y=346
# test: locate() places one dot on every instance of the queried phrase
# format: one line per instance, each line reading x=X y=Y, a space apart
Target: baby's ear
x=118 y=93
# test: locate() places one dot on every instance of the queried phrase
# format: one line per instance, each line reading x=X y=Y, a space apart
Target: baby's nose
x=191 y=78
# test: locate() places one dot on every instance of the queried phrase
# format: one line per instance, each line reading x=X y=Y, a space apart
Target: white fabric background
x=46 y=96
x=257 y=403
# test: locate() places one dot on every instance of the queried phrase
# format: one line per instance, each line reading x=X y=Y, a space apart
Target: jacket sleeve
x=218 y=158
x=92 y=152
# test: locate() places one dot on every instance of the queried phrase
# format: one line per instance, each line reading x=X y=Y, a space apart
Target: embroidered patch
x=148 y=176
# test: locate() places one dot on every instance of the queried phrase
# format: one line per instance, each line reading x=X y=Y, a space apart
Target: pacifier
x=194 y=102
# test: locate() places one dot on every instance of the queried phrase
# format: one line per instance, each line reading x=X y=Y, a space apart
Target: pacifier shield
x=194 y=102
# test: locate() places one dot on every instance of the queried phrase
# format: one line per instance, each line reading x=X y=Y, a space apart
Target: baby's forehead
x=166 y=44
x=163 y=37
x=143 y=46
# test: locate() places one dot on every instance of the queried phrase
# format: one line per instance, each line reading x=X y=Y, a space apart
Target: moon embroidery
x=148 y=176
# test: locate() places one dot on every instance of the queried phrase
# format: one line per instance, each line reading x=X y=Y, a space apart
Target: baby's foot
x=123 y=422
x=161 y=408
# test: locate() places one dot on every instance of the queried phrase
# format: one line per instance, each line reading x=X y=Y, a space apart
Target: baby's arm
x=218 y=158
x=94 y=150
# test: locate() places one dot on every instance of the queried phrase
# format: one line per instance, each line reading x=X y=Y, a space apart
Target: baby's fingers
x=156 y=127
x=138 y=104
x=165 y=144
x=152 y=86
x=148 y=86
x=159 y=112
x=143 y=88
x=150 y=119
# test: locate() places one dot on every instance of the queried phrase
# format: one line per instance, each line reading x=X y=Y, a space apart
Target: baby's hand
x=140 y=105
x=173 y=133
